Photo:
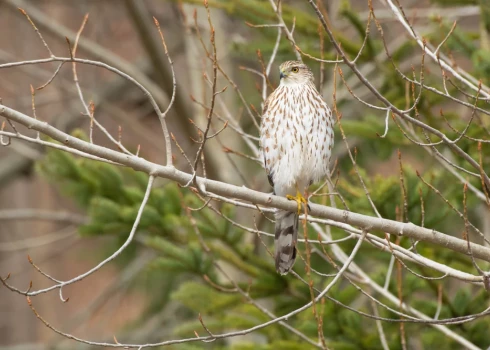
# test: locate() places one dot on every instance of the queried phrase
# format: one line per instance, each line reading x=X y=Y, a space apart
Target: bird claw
x=299 y=199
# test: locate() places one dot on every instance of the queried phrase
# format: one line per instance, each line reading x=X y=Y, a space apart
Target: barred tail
x=285 y=243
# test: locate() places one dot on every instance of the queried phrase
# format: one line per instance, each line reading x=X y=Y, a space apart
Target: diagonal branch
x=453 y=147
x=362 y=221
x=436 y=56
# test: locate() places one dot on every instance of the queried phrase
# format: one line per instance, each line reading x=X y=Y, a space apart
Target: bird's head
x=295 y=72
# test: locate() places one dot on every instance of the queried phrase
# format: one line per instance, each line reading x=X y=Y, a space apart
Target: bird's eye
x=295 y=70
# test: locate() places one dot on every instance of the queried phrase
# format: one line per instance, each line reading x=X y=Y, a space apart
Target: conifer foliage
x=409 y=94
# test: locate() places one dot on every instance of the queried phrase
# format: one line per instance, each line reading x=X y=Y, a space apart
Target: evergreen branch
x=227 y=190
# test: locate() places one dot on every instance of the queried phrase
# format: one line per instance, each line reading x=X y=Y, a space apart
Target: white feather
x=296 y=137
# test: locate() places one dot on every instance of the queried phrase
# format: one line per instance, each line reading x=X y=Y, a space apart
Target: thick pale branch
x=365 y=222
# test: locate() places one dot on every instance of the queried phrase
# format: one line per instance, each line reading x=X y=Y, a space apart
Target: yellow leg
x=299 y=199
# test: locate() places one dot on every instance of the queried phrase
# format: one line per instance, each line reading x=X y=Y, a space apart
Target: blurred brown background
x=122 y=34
x=119 y=32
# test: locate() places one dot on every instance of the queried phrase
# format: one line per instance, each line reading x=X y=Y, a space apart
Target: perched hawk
x=296 y=138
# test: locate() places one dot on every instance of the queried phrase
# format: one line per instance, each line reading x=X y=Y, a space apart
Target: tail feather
x=286 y=236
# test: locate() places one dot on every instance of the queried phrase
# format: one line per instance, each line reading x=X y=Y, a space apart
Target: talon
x=299 y=200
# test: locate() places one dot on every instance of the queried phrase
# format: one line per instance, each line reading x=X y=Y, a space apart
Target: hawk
x=296 y=137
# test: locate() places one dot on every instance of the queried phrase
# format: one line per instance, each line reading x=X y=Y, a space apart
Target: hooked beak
x=281 y=74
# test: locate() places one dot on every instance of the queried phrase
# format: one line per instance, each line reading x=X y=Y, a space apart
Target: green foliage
x=259 y=12
x=481 y=60
x=183 y=275
x=166 y=229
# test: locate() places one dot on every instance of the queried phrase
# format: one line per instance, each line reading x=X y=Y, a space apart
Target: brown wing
x=266 y=104
x=264 y=111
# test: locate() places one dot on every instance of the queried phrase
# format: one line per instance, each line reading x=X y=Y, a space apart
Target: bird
x=296 y=138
